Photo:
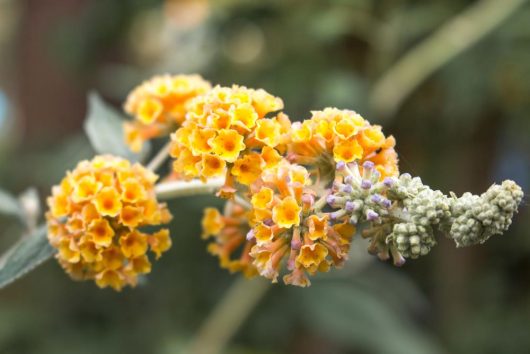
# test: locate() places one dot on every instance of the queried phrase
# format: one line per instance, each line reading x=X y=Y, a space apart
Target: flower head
x=159 y=105
x=230 y=124
x=333 y=136
x=94 y=220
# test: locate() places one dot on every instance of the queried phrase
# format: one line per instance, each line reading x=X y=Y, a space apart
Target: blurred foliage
x=466 y=126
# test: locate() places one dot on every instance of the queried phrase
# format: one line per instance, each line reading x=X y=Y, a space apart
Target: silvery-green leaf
x=28 y=253
x=104 y=128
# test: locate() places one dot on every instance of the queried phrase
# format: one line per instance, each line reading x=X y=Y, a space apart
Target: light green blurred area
x=464 y=127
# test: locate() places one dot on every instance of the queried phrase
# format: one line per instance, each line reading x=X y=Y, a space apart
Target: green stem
x=228 y=315
x=453 y=38
x=159 y=158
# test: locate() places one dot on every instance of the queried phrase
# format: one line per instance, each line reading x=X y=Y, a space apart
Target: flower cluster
x=297 y=192
x=333 y=135
x=159 y=106
x=95 y=217
x=227 y=131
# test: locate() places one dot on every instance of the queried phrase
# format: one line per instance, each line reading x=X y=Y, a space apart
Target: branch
x=174 y=189
x=453 y=38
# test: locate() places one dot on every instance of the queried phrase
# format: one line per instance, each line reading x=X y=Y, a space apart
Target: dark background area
x=462 y=128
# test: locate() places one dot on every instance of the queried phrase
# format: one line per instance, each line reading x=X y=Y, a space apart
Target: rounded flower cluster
x=159 y=105
x=227 y=131
x=333 y=135
x=94 y=221
x=284 y=223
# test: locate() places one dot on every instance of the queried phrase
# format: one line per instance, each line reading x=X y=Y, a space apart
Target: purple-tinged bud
x=350 y=206
x=296 y=244
x=388 y=182
x=366 y=184
x=348 y=189
x=251 y=235
x=371 y=215
x=337 y=214
x=386 y=203
x=268 y=222
x=331 y=199
x=341 y=165
x=368 y=165
x=406 y=175
x=308 y=199
x=376 y=198
x=398 y=258
x=348 y=179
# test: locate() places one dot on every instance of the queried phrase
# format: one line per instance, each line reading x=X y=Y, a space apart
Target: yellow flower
x=228 y=144
x=312 y=255
x=101 y=232
x=347 y=151
x=318 y=227
x=131 y=216
x=200 y=141
x=372 y=138
x=85 y=189
x=133 y=191
x=263 y=198
x=268 y=131
x=133 y=244
x=212 y=222
x=212 y=166
x=110 y=278
x=263 y=233
x=301 y=132
x=286 y=213
x=244 y=116
x=270 y=156
x=149 y=110
x=160 y=242
x=248 y=168
x=347 y=127
x=108 y=202
x=93 y=220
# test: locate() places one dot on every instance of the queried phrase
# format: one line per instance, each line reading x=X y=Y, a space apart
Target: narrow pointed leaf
x=104 y=128
x=30 y=252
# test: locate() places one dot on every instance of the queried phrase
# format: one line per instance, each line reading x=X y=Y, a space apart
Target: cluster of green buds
x=400 y=215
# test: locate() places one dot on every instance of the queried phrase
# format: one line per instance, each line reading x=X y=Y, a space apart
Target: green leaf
x=104 y=128
x=27 y=254
x=9 y=205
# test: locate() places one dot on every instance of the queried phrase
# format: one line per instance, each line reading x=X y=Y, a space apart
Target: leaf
x=27 y=254
x=362 y=320
x=104 y=128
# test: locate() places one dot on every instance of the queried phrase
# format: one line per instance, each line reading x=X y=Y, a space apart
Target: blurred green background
x=464 y=126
